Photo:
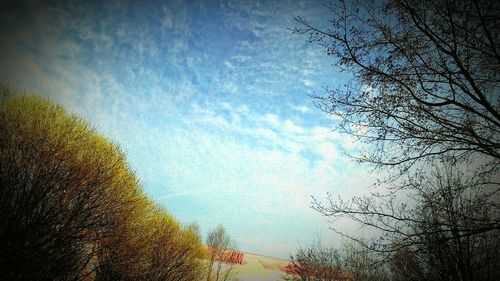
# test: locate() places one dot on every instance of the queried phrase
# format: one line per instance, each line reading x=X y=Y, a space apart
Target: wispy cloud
x=208 y=101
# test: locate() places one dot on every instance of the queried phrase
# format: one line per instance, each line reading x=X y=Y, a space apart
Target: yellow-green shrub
x=63 y=189
x=71 y=208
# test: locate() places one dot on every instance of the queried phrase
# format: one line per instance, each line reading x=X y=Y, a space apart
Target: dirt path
x=259 y=268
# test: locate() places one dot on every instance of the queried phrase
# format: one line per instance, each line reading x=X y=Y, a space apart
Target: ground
x=259 y=268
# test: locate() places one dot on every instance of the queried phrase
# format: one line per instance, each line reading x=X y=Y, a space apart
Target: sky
x=210 y=101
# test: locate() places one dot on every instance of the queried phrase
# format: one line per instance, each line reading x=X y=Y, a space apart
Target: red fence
x=230 y=256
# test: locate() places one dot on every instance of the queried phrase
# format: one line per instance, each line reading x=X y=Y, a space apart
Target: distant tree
x=321 y=263
x=219 y=245
x=63 y=191
x=451 y=236
x=443 y=228
x=405 y=267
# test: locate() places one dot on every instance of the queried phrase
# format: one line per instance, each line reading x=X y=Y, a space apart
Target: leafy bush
x=72 y=209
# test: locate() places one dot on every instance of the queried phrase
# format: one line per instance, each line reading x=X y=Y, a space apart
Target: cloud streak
x=208 y=101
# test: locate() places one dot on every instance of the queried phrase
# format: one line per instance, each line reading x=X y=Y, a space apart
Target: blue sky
x=209 y=100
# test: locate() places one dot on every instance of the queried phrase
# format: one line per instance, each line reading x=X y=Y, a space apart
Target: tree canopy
x=71 y=207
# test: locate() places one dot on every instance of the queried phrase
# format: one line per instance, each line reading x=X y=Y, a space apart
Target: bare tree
x=453 y=235
x=443 y=226
x=426 y=77
x=219 y=245
x=424 y=99
x=322 y=263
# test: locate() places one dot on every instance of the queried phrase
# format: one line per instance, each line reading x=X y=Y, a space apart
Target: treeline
x=71 y=208
x=446 y=229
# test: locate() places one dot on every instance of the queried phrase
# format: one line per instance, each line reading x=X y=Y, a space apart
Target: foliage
x=176 y=252
x=152 y=246
x=62 y=189
x=72 y=209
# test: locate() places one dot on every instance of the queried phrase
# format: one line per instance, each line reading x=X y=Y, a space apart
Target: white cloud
x=272 y=119
x=230 y=157
x=230 y=87
x=300 y=108
x=247 y=175
x=167 y=21
x=241 y=58
x=291 y=127
x=308 y=82
x=228 y=64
